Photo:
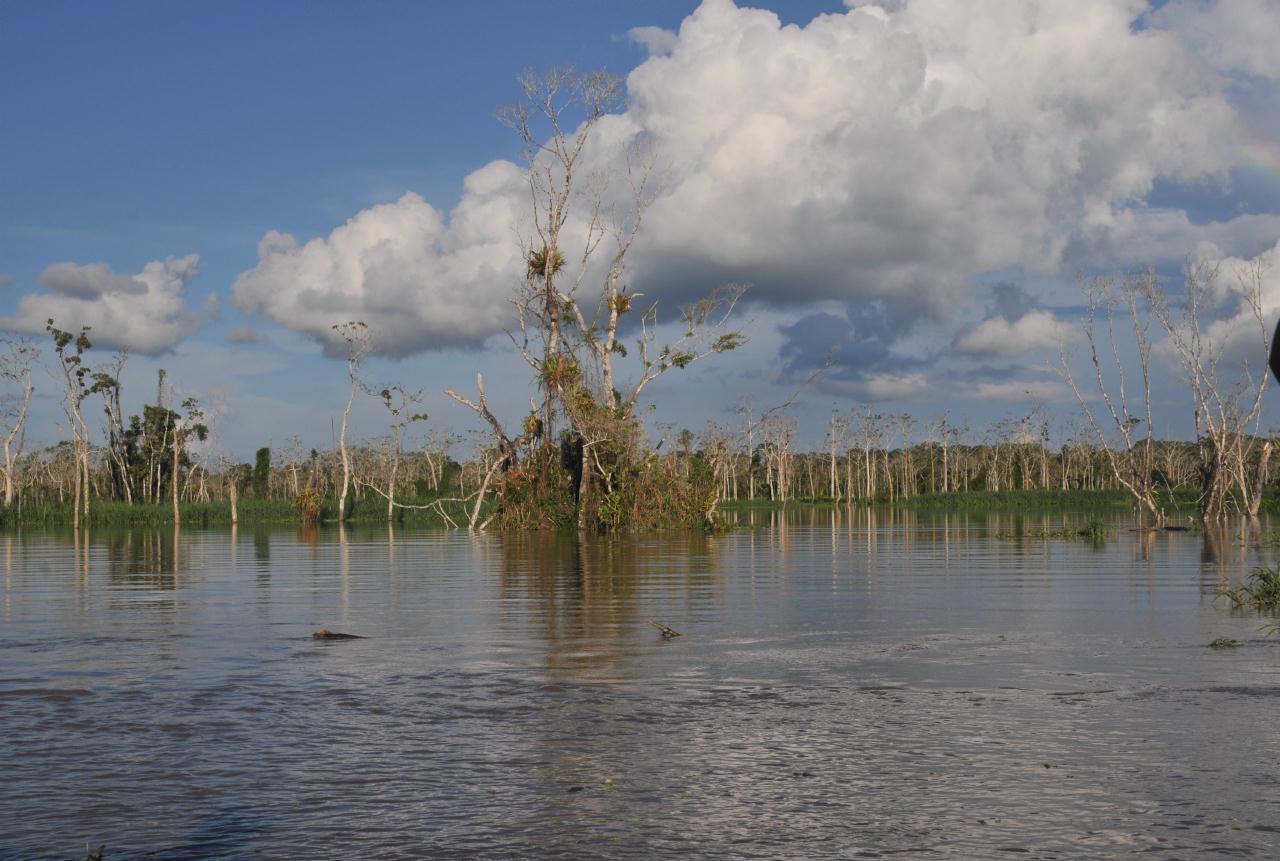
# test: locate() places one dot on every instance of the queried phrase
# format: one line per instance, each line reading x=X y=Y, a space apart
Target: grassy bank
x=250 y=512
x=1180 y=502
x=1008 y=500
x=372 y=511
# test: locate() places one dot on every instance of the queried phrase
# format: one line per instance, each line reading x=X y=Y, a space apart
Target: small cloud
x=211 y=309
x=6 y=281
x=246 y=335
x=880 y=387
x=999 y=336
x=891 y=387
x=656 y=40
x=89 y=281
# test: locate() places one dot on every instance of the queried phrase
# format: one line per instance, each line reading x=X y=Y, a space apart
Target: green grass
x=1016 y=499
x=1095 y=531
x=989 y=500
x=761 y=503
x=250 y=512
x=1261 y=592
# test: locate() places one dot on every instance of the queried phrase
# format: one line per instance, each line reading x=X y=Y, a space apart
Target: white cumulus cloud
x=1237 y=333
x=418 y=281
x=146 y=312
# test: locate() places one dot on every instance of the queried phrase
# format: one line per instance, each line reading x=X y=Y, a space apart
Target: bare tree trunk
x=1259 y=480
x=177 y=517
x=75 y=512
x=833 y=458
x=395 y=469
x=16 y=432
x=346 y=457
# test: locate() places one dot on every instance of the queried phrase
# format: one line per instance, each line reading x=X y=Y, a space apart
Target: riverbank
x=218 y=513
x=1175 y=502
x=1179 y=503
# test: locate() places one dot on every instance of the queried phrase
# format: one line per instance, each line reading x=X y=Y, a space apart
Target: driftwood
x=667 y=633
x=325 y=634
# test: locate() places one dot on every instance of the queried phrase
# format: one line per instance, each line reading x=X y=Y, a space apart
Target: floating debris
x=1224 y=643
x=667 y=633
x=325 y=634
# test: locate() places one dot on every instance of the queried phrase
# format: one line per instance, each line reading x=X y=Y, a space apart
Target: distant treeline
x=133 y=485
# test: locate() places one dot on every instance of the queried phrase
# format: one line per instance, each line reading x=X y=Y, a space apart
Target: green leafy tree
x=190 y=425
x=262 y=472
x=70 y=349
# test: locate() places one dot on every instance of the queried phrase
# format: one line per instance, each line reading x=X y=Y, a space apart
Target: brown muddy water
x=847 y=685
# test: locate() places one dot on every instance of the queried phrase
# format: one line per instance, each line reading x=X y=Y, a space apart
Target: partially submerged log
x=325 y=634
x=667 y=633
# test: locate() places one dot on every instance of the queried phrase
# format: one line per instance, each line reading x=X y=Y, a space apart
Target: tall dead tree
x=16 y=360
x=554 y=122
x=400 y=404
x=355 y=334
x=1228 y=399
x=1127 y=416
x=572 y=351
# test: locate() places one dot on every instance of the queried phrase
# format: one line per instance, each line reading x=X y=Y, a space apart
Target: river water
x=848 y=684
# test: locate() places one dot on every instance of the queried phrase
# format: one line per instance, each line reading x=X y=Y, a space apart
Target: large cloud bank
x=889 y=152
x=146 y=313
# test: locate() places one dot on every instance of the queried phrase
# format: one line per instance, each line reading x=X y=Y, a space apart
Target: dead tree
x=1128 y=415
x=356 y=335
x=1228 y=401
x=16 y=362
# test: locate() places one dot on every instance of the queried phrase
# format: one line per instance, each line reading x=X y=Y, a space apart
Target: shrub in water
x=308 y=505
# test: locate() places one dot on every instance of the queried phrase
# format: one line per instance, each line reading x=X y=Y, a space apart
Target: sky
x=910 y=188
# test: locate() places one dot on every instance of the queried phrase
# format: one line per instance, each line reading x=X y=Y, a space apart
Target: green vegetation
x=624 y=491
x=986 y=500
x=1261 y=592
x=1007 y=500
x=309 y=505
x=1095 y=531
x=261 y=474
x=218 y=513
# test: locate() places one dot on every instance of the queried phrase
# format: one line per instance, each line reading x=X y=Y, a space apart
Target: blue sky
x=136 y=132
